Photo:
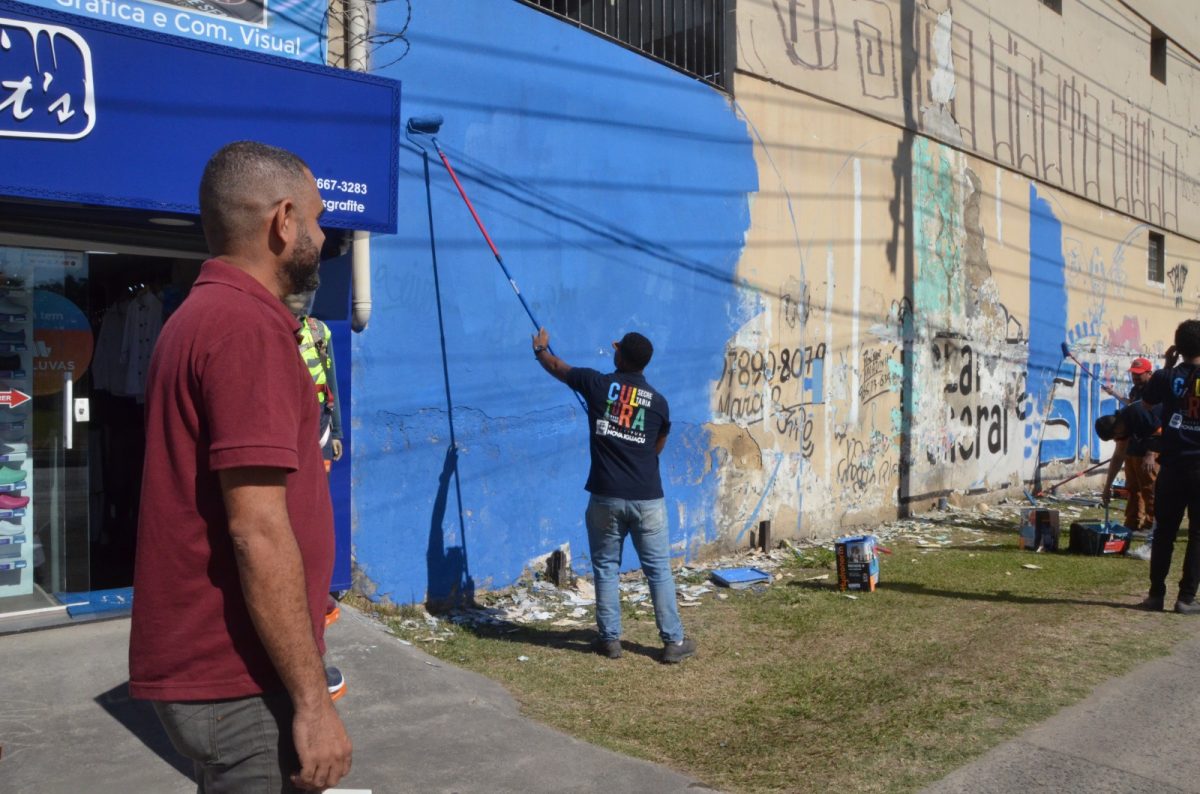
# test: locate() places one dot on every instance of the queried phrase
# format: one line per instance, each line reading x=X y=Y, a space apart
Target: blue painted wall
x=1047 y=326
x=1062 y=398
x=617 y=191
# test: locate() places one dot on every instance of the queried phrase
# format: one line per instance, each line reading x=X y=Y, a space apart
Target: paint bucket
x=857 y=563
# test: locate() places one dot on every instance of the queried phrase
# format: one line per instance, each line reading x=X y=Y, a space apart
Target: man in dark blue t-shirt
x=1177 y=389
x=628 y=423
x=1135 y=429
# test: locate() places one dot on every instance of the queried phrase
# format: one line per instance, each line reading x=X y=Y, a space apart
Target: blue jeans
x=609 y=520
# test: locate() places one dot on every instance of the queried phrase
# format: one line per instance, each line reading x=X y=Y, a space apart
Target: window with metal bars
x=1156 y=269
x=694 y=36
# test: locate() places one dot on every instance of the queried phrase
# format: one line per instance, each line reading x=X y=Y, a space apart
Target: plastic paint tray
x=739 y=578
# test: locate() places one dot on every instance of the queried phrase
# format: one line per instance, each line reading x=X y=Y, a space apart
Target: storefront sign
x=11 y=398
x=109 y=115
x=291 y=28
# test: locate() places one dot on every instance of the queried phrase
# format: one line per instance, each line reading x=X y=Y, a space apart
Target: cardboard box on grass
x=857 y=562
x=1039 y=529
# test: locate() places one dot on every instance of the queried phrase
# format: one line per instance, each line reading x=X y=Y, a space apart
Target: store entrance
x=76 y=332
x=130 y=297
x=79 y=316
x=45 y=347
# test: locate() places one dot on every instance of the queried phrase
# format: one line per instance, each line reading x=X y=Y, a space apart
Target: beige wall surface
x=890 y=357
x=1067 y=100
x=1179 y=19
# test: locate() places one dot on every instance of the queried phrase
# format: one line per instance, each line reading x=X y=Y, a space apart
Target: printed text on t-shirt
x=626 y=408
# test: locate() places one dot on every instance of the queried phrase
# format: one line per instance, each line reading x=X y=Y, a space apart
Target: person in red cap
x=1139 y=372
x=1141 y=471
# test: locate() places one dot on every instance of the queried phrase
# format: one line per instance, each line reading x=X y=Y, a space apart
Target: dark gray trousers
x=241 y=746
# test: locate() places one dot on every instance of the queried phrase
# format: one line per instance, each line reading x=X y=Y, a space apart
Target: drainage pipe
x=356 y=27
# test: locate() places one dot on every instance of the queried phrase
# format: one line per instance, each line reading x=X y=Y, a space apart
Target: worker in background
x=1135 y=429
x=1139 y=372
x=316 y=348
x=1176 y=388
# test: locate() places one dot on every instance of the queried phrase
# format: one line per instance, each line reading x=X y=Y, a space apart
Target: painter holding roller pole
x=628 y=424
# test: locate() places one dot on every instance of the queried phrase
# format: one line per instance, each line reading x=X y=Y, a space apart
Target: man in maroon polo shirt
x=235 y=536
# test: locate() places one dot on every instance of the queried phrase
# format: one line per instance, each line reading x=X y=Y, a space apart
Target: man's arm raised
x=550 y=362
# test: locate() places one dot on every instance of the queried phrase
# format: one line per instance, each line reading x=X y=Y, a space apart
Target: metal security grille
x=1156 y=269
x=694 y=36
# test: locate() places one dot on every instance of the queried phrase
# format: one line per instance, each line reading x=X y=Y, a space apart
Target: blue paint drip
x=1047 y=303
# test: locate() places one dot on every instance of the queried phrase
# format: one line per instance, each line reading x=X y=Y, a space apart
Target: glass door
x=46 y=347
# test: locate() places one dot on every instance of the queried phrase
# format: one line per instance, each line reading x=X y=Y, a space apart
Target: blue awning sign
x=291 y=28
x=104 y=114
x=46 y=86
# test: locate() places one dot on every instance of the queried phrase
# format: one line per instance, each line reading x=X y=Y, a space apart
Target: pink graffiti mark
x=1129 y=335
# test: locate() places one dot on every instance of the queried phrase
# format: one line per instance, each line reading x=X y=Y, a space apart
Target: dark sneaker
x=1187 y=607
x=609 y=648
x=676 y=652
x=336 y=682
x=1152 y=604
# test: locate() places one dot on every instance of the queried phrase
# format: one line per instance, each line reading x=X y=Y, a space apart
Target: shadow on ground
x=138 y=717
x=999 y=597
x=571 y=639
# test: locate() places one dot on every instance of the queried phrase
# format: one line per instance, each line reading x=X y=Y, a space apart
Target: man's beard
x=302 y=271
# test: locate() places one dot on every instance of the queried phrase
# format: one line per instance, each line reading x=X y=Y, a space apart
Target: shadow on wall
x=450 y=583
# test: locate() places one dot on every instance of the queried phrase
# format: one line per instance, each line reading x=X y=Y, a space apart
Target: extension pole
x=1088 y=470
x=1066 y=350
x=428 y=126
x=496 y=253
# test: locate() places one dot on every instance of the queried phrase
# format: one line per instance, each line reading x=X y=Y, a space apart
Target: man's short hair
x=240 y=182
x=636 y=350
x=1106 y=427
x=1187 y=338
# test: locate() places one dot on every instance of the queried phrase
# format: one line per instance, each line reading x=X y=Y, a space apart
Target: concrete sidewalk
x=1133 y=734
x=67 y=724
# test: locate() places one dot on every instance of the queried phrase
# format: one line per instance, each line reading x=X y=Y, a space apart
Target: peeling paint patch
x=936 y=117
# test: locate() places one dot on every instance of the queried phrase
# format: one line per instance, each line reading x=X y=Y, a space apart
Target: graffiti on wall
x=970 y=349
x=1177 y=278
x=1004 y=97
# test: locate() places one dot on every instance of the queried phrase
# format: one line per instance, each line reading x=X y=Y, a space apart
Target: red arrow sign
x=11 y=398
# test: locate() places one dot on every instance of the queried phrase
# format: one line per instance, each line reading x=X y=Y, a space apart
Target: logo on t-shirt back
x=625 y=413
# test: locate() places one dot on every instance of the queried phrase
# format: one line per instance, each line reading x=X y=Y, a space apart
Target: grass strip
x=799 y=688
